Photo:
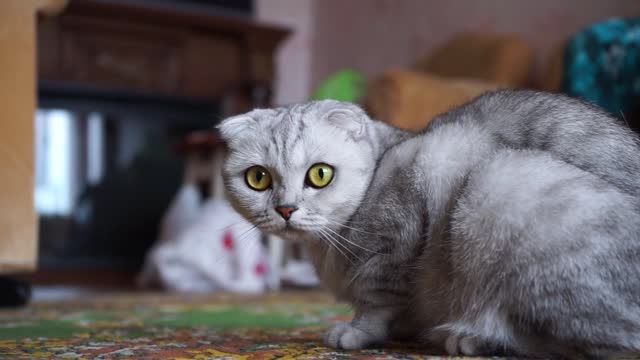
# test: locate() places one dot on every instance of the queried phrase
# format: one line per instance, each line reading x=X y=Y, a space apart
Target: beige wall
x=293 y=58
x=372 y=35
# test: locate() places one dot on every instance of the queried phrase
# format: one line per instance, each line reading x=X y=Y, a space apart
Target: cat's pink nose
x=285 y=211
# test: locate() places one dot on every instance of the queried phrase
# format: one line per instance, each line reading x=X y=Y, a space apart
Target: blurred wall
x=372 y=35
x=293 y=58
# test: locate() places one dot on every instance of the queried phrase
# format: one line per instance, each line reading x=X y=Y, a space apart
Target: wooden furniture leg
x=18 y=221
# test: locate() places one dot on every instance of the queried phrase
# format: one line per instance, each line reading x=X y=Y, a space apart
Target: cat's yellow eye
x=319 y=175
x=258 y=178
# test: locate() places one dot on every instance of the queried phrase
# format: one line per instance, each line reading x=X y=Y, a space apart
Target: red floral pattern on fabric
x=227 y=241
x=260 y=269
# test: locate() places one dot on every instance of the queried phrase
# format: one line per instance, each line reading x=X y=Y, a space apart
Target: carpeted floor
x=284 y=326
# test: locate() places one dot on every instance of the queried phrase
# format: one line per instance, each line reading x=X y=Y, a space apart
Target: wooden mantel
x=155 y=49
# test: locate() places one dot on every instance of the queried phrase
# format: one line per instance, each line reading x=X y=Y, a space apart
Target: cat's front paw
x=462 y=345
x=345 y=336
x=457 y=344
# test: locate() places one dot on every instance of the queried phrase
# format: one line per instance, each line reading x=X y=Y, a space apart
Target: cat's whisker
x=349 y=227
x=253 y=219
x=247 y=232
x=353 y=278
x=353 y=243
x=239 y=240
x=326 y=237
x=242 y=240
x=339 y=243
x=323 y=228
x=337 y=248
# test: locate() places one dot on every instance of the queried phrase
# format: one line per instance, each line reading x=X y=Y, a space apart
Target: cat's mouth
x=289 y=229
x=292 y=228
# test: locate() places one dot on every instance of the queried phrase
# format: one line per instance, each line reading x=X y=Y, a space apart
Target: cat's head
x=299 y=170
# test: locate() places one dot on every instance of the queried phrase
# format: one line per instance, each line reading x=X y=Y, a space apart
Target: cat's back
x=509 y=106
x=571 y=130
x=529 y=118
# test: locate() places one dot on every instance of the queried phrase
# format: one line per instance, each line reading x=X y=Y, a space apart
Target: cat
x=510 y=225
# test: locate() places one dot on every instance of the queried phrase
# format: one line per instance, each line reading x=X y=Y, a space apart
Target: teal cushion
x=602 y=64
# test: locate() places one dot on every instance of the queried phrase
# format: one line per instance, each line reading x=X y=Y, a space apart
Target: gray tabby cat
x=510 y=225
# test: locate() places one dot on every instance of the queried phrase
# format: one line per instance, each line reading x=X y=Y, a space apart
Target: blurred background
x=127 y=186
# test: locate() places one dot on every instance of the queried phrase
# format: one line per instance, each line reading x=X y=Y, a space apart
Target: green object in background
x=344 y=85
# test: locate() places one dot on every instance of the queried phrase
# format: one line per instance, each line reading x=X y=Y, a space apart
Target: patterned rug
x=148 y=326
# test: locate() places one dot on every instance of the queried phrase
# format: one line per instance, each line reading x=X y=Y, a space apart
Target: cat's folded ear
x=233 y=128
x=346 y=116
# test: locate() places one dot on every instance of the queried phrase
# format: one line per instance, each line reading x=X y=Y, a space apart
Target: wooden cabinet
x=119 y=55
x=119 y=47
x=157 y=50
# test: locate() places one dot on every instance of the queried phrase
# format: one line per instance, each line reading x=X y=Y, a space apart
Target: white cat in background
x=205 y=246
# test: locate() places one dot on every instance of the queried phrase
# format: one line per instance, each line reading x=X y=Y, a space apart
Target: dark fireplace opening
x=106 y=172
